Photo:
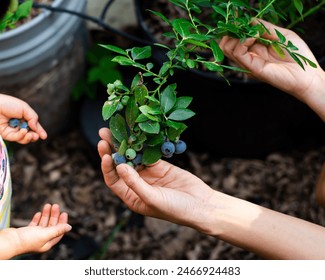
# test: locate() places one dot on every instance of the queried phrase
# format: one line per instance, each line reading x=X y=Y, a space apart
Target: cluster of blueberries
x=16 y=122
x=131 y=157
x=169 y=148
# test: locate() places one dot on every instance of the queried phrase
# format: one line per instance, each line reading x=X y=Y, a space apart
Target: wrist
x=9 y=243
x=315 y=98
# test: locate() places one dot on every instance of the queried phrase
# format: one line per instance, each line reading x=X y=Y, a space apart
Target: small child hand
x=18 y=121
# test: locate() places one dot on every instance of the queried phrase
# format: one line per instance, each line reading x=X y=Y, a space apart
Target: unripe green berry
x=110 y=88
x=130 y=154
x=118 y=83
x=132 y=138
x=125 y=99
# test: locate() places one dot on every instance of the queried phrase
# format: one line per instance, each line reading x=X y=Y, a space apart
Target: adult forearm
x=269 y=234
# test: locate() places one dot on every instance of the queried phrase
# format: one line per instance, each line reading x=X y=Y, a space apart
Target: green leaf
x=291 y=46
x=173 y=133
x=217 y=52
x=154 y=140
x=135 y=81
x=182 y=26
x=196 y=43
x=212 y=66
x=281 y=37
x=299 y=6
x=123 y=147
x=161 y=16
x=151 y=155
x=114 y=49
x=181 y=114
x=131 y=112
x=183 y=102
x=150 y=127
x=141 y=94
x=278 y=49
x=191 y=63
x=149 y=112
x=141 y=118
x=13 y=6
x=168 y=98
x=164 y=68
x=122 y=60
x=296 y=59
x=311 y=63
x=24 y=9
x=141 y=53
x=109 y=108
x=118 y=128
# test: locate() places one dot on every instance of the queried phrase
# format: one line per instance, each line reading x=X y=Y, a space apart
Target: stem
x=260 y=13
x=306 y=14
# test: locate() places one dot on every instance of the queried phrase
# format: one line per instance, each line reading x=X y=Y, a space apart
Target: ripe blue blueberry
x=180 y=147
x=137 y=160
x=14 y=122
x=118 y=159
x=167 y=148
x=24 y=125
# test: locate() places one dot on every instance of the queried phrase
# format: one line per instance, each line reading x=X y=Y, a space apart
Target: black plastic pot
x=246 y=119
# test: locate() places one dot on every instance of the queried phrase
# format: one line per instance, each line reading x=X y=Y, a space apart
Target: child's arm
x=12 y=107
x=44 y=231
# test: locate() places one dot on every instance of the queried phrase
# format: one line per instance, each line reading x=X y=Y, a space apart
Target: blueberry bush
x=148 y=118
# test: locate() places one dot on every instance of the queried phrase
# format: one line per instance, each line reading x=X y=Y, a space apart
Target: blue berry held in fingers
x=118 y=159
x=24 y=125
x=137 y=160
x=180 y=147
x=14 y=122
x=167 y=148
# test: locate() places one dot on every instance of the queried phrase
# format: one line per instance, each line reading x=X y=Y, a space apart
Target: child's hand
x=44 y=231
x=15 y=108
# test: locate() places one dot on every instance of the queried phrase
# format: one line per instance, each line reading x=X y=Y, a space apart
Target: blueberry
x=180 y=147
x=120 y=107
x=24 y=125
x=14 y=123
x=118 y=159
x=130 y=154
x=137 y=160
x=168 y=156
x=167 y=148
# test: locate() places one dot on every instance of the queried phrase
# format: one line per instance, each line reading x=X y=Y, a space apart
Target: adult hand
x=266 y=65
x=161 y=190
